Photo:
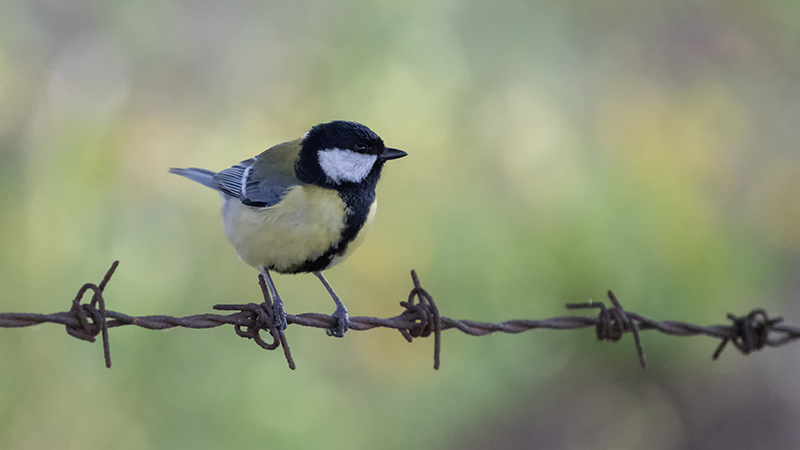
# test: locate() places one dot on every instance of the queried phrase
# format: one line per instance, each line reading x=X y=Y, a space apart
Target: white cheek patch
x=345 y=165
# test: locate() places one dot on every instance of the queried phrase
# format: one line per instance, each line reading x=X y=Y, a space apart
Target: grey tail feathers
x=202 y=176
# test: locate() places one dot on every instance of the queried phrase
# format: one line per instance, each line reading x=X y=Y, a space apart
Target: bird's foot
x=278 y=314
x=343 y=323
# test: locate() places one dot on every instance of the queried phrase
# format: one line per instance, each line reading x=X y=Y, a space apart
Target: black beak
x=392 y=153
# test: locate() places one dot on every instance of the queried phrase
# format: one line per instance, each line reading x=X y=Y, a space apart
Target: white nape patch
x=305 y=135
x=345 y=165
x=244 y=179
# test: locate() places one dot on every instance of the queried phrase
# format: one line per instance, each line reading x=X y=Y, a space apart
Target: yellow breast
x=302 y=226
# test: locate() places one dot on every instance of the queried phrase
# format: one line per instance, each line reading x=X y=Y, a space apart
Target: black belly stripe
x=359 y=199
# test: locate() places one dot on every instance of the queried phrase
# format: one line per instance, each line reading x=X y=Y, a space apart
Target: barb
x=613 y=323
x=420 y=318
x=262 y=319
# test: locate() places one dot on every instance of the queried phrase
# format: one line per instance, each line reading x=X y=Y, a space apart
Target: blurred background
x=557 y=149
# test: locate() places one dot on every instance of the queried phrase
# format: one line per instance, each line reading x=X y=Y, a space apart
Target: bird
x=302 y=206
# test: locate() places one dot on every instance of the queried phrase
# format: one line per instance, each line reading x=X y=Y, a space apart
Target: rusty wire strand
x=420 y=318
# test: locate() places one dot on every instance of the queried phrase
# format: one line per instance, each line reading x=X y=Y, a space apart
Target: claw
x=278 y=314
x=343 y=323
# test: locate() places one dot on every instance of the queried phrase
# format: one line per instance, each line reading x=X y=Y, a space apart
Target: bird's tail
x=202 y=176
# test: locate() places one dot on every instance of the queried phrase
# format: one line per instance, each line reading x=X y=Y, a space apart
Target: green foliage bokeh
x=556 y=150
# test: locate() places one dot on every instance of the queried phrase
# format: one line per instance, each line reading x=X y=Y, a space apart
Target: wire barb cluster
x=613 y=323
x=420 y=318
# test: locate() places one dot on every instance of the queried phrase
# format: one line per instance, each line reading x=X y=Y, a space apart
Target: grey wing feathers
x=202 y=176
x=237 y=181
x=266 y=192
x=232 y=181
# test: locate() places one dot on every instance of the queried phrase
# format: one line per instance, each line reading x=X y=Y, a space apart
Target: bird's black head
x=341 y=153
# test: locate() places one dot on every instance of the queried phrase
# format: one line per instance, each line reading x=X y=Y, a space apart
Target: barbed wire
x=420 y=319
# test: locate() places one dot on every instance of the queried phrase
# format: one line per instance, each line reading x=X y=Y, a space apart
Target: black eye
x=361 y=147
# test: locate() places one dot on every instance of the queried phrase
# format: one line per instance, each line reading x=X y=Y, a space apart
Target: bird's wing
x=261 y=181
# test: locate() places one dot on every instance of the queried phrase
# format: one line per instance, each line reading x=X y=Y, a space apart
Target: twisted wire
x=420 y=318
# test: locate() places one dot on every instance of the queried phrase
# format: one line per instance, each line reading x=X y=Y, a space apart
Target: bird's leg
x=277 y=304
x=341 y=312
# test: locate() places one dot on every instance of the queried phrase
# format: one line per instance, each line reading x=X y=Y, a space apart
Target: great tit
x=302 y=206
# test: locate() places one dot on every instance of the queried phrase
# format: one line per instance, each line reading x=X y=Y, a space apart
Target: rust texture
x=420 y=318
